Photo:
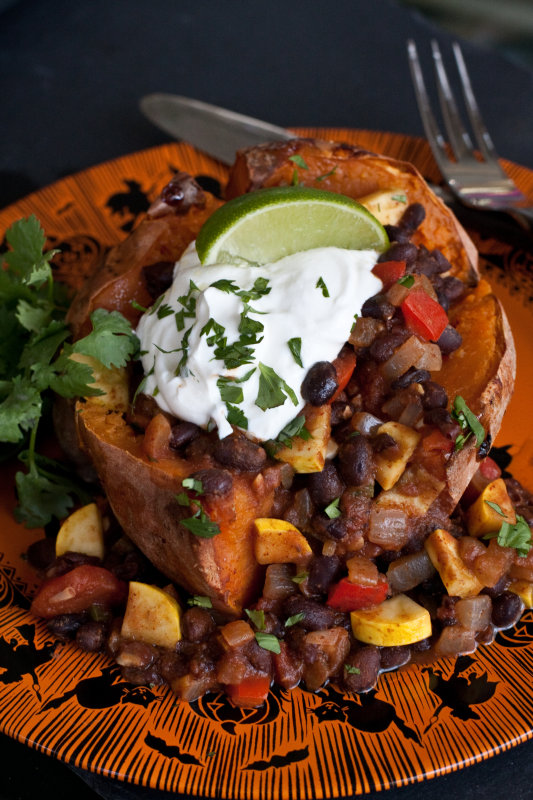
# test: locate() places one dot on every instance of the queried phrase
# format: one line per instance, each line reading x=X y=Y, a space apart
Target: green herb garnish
x=321 y=285
x=295 y=427
x=333 y=511
x=407 y=281
x=273 y=391
x=200 y=600
x=36 y=358
x=300 y=578
x=201 y=525
x=352 y=670
x=470 y=425
x=295 y=346
x=294 y=620
x=268 y=642
x=509 y=535
x=194 y=485
x=400 y=198
x=257 y=617
x=299 y=161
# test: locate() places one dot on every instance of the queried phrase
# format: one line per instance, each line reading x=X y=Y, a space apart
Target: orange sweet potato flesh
x=354 y=172
x=142 y=493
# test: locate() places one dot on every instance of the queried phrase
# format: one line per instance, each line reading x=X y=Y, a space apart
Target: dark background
x=71 y=74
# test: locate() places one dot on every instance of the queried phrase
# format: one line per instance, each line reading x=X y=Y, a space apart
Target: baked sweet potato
x=142 y=484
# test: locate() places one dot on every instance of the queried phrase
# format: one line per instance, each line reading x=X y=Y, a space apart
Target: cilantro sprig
x=517 y=535
x=469 y=423
x=36 y=360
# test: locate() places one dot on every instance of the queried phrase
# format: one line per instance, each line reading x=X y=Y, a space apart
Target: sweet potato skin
x=352 y=171
x=142 y=493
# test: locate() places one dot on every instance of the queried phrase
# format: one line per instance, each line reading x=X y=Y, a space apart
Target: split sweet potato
x=142 y=482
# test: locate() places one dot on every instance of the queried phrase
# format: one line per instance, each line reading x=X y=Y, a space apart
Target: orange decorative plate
x=418 y=723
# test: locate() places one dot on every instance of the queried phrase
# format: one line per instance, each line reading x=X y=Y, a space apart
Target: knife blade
x=220 y=132
x=214 y=130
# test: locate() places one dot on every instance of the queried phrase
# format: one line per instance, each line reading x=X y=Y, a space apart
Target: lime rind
x=264 y=226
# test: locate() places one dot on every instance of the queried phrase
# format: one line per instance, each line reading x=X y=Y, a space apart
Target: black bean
x=364 y=664
x=323 y=571
x=400 y=251
x=443 y=420
x=65 y=626
x=240 y=453
x=131 y=566
x=214 y=481
x=384 y=441
x=412 y=375
x=182 y=433
x=449 y=340
x=135 y=654
x=197 y=624
x=484 y=448
x=394 y=657
x=42 y=553
x=158 y=277
x=450 y=287
x=384 y=346
x=182 y=192
x=425 y=263
x=316 y=617
x=442 y=262
x=396 y=233
x=341 y=410
x=413 y=216
x=506 y=609
x=434 y=395
x=356 y=461
x=325 y=528
x=172 y=665
x=325 y=486
x=91 y=636
x=68 y=562
x=320 y=383
x=378 y=307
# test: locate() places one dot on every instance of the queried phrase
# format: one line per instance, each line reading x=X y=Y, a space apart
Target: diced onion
x=430 y=358
x=237 y=633
x=388 y=528
x=365 y=331
x=412 y=413
x=474 y=612
x=409 y=571
x=404 y=357
x=455 y=640
x=397 y=294
x=364 y=423
x=329 y=548
x=362 y=571
x=278 y=582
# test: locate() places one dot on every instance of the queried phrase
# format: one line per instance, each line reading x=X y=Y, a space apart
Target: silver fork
x=477 y=180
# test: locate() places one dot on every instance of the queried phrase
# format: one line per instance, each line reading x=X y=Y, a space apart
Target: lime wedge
x=264 y=226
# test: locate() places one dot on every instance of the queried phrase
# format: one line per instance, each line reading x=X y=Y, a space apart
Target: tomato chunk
x=250 y=692
x=389 y=272
x=348 y=596
x=489 y=469
x=424 y=315
x=77 y=590
x=437 y=442
x=344 y=366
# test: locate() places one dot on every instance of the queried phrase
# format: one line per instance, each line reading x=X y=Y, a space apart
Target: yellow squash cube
x=309 y=455
x=279 y=542
x=152 y=616
x=82 y=532
x=395 y=622
x=388 y=470
x=482 y=518
x=443 y=551
x=387 y=205
x=524 y=590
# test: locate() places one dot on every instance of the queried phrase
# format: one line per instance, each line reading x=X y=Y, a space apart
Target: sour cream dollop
x=237 y=341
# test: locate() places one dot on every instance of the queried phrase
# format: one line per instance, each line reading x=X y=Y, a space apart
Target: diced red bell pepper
x=344 y=366
x=251 y=692
x=389 y=272
x=77 y=591
x=423 y=315
x=489 y=469
x=347 y=596
x=437 y=442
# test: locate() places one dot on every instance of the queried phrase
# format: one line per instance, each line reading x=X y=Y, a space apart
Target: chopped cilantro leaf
x=400 y=198
x=517 y=536
x=268 y=642
x=295 y=346
x=295 y=427
x=201 y=525
x=236 y=416
x=470 y=425
x=257 y=616
x=230 y=391
x=321 y=285
x=407 y=281
x=300 y=578
x=333 y=511
x=496 y=507
x=194 y=485
x=326 y=175
x=200 y=600
x=273 y=391
x=299 y=161
x=294 y=620
x=351 y=670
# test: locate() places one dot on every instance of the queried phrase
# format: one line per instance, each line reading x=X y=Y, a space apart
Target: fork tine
x=483 y=140
x=460 y=141
x=433 y=134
